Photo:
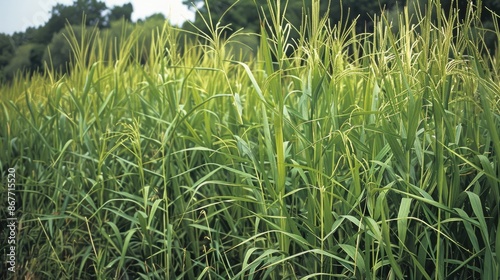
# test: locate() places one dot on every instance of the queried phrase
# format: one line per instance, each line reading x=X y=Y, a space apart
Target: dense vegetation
x=335 y=155
x=47 y=45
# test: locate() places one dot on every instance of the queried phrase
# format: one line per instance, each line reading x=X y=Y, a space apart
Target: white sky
x=17 y=15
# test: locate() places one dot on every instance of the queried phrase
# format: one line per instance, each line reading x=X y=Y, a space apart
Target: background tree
x=119 y=12
x=248 y=14
x=89 y=12
x=59 y=53
x=460 y=8
x=6 y=49
x=26 y=59
x=6 y=52
x=245 y=13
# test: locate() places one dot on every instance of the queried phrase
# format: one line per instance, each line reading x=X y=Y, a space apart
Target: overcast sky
x=17 y=15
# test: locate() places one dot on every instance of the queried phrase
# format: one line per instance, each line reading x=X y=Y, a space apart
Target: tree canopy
x=30 y=49
x=118 y=12
x=87 y=12
x=245 y=13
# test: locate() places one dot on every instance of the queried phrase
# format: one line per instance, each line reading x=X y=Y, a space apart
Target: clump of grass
x=361 y=156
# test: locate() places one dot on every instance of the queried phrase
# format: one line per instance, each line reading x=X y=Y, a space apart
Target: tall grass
x=359 y=156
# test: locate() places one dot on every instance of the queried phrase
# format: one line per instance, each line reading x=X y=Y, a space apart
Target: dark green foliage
x=121 y=12
x=248 y=13
x=88 y=12
x=58 y=52
x=28 y=50
x=6 y=49
x=6 y=53
x=36 y=55
x=252 y=15
x=26 y=58
x=459 y=8
x=74 y=43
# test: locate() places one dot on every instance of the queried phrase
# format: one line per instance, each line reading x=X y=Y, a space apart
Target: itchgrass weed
x=359 y=156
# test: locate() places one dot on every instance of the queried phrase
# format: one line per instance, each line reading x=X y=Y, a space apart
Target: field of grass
x=359 y=156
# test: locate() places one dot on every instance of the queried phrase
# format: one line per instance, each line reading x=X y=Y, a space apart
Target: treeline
x=48 y=46
x=246 y=14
